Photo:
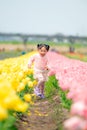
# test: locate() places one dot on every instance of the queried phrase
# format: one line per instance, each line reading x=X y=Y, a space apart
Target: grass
x=9 y=54
x=59 y=103
x=76 y=44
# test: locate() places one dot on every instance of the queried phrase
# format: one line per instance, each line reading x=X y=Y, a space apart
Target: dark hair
x=39 y=46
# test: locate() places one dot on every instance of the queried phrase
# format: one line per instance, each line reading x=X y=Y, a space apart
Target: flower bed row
x=16 y=90
x=72 y=78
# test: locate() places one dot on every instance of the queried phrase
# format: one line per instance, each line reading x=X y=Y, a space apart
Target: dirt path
x=45 y=115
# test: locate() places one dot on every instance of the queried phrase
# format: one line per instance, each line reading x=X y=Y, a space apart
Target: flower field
x=17 y=83
x=72 y=78
x=16 y=86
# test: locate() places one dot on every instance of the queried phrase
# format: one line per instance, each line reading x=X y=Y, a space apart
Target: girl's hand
x=29 y=66
x=46 y=68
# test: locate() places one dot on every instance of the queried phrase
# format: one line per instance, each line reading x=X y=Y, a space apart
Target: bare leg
x=40 y=83
x=42 y=87
x=39 y=88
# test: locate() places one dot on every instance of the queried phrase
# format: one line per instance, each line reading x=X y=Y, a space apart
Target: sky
x=51 y=17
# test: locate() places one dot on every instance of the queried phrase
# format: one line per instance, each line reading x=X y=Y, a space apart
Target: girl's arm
x=31 y=60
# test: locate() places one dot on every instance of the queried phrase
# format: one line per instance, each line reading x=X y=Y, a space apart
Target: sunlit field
x=66 y=81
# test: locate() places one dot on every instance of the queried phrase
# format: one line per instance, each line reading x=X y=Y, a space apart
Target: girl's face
x=42 y=51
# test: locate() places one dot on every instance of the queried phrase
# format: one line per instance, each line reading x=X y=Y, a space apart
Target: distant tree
x=71 y=47
x=25 y=39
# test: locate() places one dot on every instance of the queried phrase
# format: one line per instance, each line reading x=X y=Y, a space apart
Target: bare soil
x=45 y=115
x=10 y=47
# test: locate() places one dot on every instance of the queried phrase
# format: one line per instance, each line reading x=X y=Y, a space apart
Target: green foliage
x=8 y=54
x=27 y=89
x=65 y=102
x=31 y=76
x=8 y=124
x=77 y=57
x=24 y=91
x=10 y=42
x=53 y=88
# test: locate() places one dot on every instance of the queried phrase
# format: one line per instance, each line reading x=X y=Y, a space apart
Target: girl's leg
x=42 y=88
x=39 y=88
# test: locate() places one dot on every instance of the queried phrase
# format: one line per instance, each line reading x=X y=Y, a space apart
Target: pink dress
x=40 y=63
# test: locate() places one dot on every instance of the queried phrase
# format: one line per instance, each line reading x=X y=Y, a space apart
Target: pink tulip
x=72 y=76
x=52 y=72
x=78 y=108
x=75 y=123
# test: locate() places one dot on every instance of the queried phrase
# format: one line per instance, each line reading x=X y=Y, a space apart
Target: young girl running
x=40 y=68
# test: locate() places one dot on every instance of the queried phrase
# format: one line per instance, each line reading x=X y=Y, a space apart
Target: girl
x=40 y=68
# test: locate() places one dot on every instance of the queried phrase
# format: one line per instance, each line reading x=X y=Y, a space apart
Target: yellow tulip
x=13 y=78
x=30 y=84
x=27 y=97
x=30 y=71
x=3 y=113
x=20 y=75
x=21 y=87
x=35 y=82
x=11 y=101
x=21 y=107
